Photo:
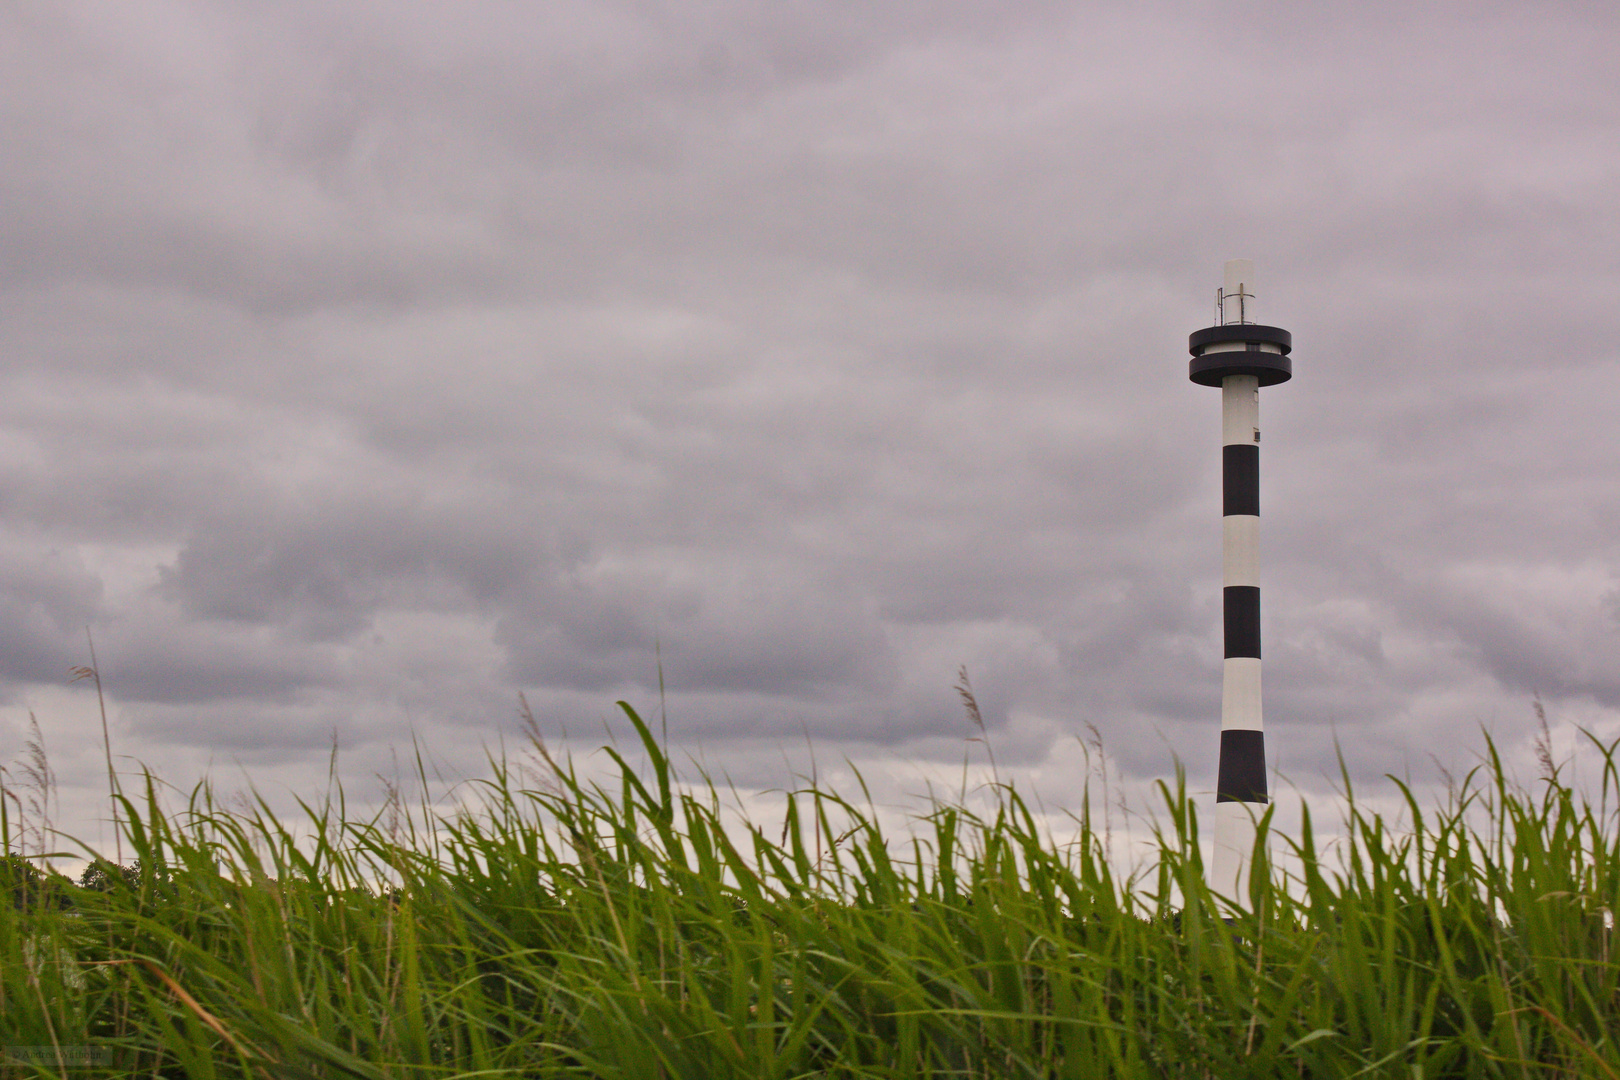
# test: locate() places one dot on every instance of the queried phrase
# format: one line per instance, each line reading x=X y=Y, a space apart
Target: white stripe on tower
x=1239 y=356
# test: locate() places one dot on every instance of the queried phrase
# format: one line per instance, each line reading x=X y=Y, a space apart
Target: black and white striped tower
x=1239 y=356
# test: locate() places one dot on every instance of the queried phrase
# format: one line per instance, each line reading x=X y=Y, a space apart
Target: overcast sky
x=363 y=365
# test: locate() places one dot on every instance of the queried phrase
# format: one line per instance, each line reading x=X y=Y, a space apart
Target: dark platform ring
x=1200 y=340
x=1210 y=370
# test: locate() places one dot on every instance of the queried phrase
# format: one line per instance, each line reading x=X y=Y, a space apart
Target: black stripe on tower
x=1242 y=604
x=1243 y=767
x=1240 y=479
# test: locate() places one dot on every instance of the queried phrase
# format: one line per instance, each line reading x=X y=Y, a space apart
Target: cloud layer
x=366 y=365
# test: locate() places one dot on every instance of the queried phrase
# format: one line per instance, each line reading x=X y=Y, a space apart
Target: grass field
x=566 y=927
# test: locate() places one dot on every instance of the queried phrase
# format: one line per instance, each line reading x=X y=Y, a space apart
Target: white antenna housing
x=1236 y=297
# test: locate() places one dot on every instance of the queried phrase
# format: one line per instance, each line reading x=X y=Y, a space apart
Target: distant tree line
x=29 y=887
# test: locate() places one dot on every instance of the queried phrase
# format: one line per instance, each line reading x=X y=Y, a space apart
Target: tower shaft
x=1240 y=791
x=1240 y=357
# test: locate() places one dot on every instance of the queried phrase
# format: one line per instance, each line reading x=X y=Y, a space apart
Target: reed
x=625 y=928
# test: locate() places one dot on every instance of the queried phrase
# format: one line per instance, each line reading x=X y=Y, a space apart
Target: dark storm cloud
x=47 y=596
x=326 y=560
x=368 y=364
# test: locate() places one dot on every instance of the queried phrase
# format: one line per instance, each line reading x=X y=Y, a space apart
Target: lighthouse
x=1239 y=355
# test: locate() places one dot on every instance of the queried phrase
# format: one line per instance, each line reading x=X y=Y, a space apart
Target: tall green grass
x=575 y=927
